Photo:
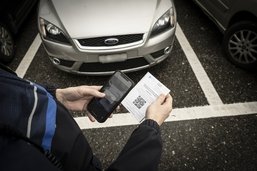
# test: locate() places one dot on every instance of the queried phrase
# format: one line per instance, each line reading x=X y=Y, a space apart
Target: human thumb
x=161 y=99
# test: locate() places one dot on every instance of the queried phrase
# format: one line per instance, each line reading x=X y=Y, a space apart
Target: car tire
x=240 y=44
x=6 y=44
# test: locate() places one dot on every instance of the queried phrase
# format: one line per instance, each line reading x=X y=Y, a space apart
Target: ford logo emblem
x=111 y=41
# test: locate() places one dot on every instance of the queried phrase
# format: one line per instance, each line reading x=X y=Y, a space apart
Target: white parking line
x=181 y=114
x=203 y=79
x=27 y=59
x=215 y=109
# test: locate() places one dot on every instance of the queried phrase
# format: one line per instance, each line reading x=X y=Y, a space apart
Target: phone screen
x=115 y=90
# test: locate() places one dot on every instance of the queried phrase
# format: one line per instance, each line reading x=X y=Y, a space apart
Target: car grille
x=96 y=67
x=100 y=41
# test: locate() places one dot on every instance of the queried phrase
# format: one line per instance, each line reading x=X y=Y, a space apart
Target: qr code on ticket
x=139 y=102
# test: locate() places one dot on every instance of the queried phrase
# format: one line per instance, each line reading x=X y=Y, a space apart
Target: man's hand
x=160 y=109
x=77 y=98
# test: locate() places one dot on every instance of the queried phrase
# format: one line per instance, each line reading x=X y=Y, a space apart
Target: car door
x=15 y=11
x=218 y=10
x=21 y=10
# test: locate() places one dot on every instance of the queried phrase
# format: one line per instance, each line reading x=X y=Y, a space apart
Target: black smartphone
x=117 y=87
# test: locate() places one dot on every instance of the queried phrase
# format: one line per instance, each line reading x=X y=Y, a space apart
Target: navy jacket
x=33 y=111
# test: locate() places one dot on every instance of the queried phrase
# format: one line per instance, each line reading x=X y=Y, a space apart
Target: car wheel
x=240 y=44
x=6 y=44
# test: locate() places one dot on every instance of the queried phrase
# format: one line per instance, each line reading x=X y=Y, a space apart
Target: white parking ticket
x=142 y=95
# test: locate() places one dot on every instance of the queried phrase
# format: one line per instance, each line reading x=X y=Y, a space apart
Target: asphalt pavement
x=214 y=122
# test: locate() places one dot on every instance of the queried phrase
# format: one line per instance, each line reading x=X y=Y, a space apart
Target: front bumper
x=73 y=58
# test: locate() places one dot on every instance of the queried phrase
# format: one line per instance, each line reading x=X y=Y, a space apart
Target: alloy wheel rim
x=243 y=46
x=6 y=43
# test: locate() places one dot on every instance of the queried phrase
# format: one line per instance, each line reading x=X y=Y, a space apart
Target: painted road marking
x=215 y=109
x=202 y=77
x=180 y=114
x=27 y=59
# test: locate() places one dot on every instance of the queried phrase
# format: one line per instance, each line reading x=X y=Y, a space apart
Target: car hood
x=94 y=18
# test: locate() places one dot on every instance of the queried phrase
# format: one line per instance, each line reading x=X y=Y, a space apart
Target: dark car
x=237 y=19
x=12 y=15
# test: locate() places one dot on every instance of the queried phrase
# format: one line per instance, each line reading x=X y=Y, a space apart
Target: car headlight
x=164 y=23
x=52 y=32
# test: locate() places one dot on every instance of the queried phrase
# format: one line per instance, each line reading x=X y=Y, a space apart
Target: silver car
x=237 y=19
x=97 y=37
